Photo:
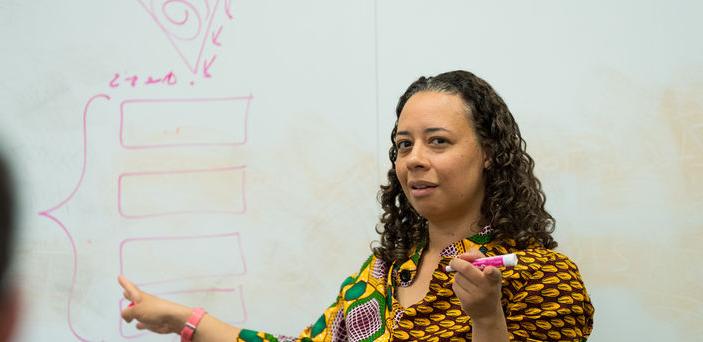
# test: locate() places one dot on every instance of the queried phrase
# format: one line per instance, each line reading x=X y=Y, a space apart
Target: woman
x=461 y=187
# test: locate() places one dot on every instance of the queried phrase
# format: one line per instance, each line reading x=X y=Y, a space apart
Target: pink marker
x=507 y=260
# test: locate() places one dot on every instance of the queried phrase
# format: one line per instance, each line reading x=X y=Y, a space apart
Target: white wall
x=608 y=97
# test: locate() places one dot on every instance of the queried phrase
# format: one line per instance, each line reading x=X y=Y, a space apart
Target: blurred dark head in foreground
x=9 y=301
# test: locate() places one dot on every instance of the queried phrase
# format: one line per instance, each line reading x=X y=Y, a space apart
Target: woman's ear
x=486 y=158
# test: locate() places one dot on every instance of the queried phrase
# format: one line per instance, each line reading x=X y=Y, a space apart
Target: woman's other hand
x=478 y=289
x=151 y=312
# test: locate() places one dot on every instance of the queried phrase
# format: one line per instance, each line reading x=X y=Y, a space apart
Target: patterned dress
x=543 y=299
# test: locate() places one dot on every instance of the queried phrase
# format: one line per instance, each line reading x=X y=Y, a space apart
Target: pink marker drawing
x=200 y=249
x=187 y=25
x=140 y=195
x=134 y=80
x=507 y=260
x=200 y=191
x=49 y=215
x=150 y=123
x=195 y=30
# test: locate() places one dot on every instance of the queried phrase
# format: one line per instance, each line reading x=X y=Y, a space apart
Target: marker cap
x=510 y=260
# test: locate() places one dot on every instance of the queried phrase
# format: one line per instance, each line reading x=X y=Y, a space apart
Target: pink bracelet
x=192 y=324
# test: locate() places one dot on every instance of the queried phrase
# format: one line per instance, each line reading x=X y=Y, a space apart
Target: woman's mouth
x=422 y=189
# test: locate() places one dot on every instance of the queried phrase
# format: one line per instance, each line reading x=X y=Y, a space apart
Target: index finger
x=465 y=268
x=471 y=255
x=131 y=292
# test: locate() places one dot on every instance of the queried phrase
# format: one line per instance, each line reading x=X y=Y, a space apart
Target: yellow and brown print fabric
x=543 y=299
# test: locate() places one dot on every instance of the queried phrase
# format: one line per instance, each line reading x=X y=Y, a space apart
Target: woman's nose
x=417 y=158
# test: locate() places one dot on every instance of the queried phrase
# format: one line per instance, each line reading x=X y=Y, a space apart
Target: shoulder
x=546 y=286
x=549 y=261
x=367 y=288
x=373 y=271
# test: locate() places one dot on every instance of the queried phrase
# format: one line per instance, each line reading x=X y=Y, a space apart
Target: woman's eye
x=403 y=144
x=438 y=141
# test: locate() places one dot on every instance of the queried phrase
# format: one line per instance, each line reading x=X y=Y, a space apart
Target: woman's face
x=440 y=162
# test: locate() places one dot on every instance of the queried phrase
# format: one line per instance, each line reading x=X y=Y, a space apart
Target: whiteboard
x=227 y=153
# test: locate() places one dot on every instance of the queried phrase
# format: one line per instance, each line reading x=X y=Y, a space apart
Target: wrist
x=179 y=317
x=191 y=324
x=489 y=319
x=490 y=327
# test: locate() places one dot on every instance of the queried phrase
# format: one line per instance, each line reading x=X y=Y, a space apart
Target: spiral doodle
x=181 y=19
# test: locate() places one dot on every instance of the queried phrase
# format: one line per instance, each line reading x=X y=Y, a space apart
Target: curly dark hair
x=514 y=201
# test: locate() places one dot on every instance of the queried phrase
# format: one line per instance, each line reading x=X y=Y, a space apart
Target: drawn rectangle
x=203 y=191
x=155 y=260
x=226 y=304
x=156 y=123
